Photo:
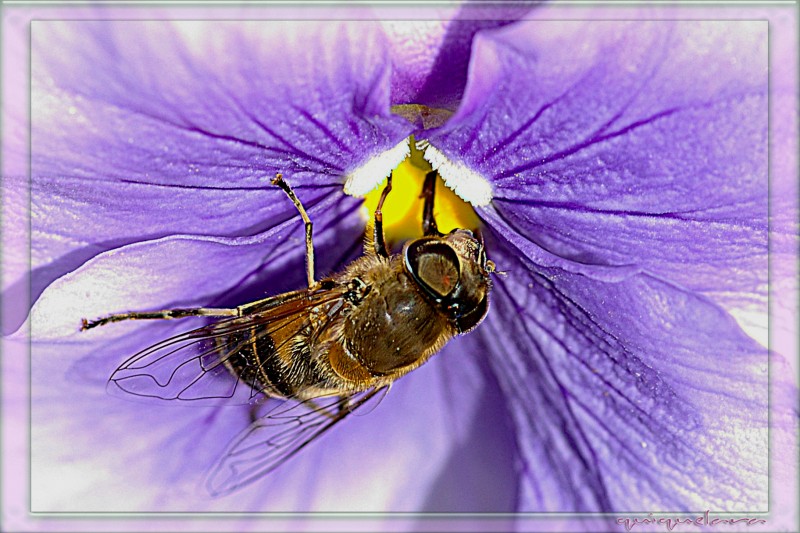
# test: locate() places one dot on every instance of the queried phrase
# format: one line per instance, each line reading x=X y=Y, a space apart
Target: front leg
x=429 y=226
x=280 y=182
x=378 y=238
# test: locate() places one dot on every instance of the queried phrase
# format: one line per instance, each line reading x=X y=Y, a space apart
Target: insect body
x=328 y=349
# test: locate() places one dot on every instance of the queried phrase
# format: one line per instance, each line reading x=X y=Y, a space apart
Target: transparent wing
x=275 y=438
x=192 y=366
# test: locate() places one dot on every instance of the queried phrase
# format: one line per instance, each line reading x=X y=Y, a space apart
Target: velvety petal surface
x=146 y=129
x=627 y=396
x=614 y=148
x=628 y=168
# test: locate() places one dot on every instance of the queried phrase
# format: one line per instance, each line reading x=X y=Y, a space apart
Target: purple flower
x=620 y=170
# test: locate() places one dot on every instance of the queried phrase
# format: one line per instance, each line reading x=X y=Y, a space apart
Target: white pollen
x=465 y=182
x=369 y=175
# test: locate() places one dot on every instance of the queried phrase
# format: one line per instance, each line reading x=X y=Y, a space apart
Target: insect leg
x=378 y=238
x=280 y=182
x=166 y=314
x=429 y=226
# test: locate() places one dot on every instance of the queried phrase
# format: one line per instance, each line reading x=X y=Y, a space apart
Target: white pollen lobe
x=465 y=182
x=369 y=175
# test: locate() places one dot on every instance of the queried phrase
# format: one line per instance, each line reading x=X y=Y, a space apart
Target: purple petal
x=142 y=130
x=637 y=383
x=438 y=79
x=198 y=271
x=630 y=146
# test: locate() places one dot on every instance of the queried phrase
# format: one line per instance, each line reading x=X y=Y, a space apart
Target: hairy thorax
x=388 y=327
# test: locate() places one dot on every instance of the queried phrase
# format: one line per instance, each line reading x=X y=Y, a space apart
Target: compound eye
x=434 y=265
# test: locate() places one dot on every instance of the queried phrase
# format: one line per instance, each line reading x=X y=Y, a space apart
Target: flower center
x=402 y=210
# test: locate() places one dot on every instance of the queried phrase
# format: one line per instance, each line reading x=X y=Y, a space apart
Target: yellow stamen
x=402 y=211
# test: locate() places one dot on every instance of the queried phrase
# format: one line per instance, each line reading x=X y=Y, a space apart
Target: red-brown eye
x=434 y=265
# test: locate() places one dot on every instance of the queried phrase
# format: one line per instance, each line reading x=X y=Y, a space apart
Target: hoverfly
x=326 y=350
